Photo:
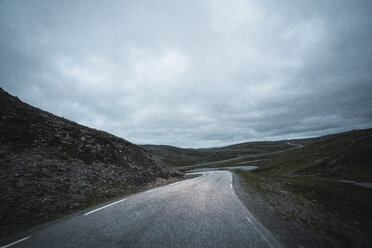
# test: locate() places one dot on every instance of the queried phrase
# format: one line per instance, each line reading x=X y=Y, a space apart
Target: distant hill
x=179 y=157
x=335 y=155
x=51 y=166
x=341 y=156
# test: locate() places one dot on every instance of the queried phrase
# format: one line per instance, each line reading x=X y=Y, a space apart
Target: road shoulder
x=287 y=232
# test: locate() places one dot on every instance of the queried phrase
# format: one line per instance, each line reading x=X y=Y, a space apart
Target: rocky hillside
x=51 y=166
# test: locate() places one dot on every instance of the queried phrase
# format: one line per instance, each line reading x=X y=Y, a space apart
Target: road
x=198 y=212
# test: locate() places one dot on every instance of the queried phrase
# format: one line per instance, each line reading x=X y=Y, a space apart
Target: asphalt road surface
x=199 y=212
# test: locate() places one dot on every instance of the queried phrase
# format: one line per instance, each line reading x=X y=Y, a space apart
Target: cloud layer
x=193 y=73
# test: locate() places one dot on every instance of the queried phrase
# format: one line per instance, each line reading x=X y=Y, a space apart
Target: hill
x=181 y=157
x=342 y=156
x=51 y=166
x=325 y=186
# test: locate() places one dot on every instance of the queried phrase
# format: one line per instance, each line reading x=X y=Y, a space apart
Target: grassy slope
x=178 y=157
x=303 y=185
x=345 y=156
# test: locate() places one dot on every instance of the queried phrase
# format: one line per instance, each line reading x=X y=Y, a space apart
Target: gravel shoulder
x=288 y=232
x=308 y=211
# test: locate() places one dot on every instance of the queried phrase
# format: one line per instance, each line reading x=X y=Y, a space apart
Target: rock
x=20 y=184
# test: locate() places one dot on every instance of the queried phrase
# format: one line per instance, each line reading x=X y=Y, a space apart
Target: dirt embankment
x=51 y=166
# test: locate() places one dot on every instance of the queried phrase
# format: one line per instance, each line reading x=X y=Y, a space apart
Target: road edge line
x=15 y=242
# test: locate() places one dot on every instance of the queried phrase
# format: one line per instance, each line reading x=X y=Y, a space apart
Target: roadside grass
x=302 y=185
x=339 y=212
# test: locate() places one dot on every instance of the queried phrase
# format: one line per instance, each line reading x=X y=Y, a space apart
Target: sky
x=193 y=73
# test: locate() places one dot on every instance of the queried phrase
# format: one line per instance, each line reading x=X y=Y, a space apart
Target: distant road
x=198 y=212
x=296 y=145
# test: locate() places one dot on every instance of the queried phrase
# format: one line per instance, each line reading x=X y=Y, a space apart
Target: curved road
x=199 y=212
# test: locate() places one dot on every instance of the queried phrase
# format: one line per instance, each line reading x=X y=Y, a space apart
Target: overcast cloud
x=193 y=73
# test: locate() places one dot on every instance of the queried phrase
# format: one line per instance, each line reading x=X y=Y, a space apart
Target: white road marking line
x=150 y=190
x=5 y=246
x=230 y=185
x=262 y=235
x=105 y=206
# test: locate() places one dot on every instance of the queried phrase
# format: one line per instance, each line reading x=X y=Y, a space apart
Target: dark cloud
x=192 y=73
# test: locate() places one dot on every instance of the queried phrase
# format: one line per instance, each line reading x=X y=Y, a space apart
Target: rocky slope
x=51 y=166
